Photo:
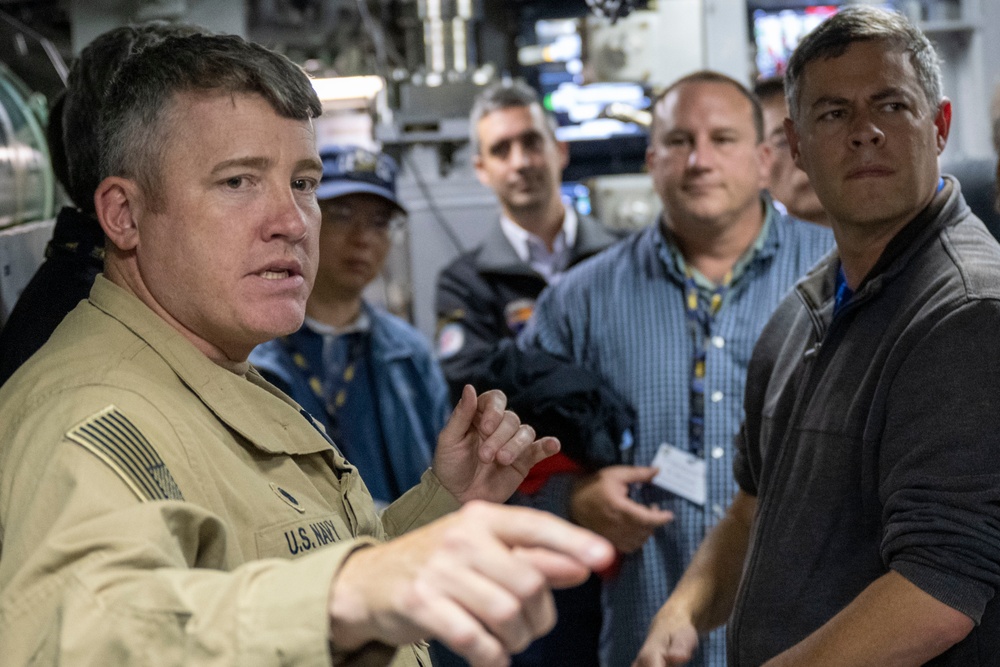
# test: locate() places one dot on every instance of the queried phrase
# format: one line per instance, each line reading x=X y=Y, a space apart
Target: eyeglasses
x=344 y=217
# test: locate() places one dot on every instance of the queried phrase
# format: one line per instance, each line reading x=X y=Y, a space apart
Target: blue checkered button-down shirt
x=621 y=314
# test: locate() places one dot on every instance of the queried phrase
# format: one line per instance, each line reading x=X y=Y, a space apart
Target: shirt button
x=718 y=452
x=718 y=341
x=717 y=396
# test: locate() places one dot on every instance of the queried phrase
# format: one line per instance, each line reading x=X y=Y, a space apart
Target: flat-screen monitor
x=778 y=31
x=551 y=57
x=579 y=109
x=578 y=195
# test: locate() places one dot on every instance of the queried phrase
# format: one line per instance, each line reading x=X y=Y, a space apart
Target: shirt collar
x=518 y=236
x=237 y=398
x=741 y=264
x=361 y=324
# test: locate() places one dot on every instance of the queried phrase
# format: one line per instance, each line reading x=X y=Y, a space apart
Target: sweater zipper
x=810 y=357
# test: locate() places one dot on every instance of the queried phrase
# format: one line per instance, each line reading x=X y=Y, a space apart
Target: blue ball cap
x=349 y=170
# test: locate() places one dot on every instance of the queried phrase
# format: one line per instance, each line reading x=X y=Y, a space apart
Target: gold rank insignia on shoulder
x=111 y=437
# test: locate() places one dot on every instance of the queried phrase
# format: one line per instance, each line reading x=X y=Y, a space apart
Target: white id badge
x=681 y=473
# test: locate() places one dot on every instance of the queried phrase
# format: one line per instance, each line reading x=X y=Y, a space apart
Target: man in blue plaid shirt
x=669 y=317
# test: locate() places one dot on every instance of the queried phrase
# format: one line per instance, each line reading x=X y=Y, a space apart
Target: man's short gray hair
x=504 y=95
x=135 y=122
x=861 y=23
x=76 y=128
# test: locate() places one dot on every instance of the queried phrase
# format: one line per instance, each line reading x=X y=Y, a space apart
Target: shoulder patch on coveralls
x=111 y=437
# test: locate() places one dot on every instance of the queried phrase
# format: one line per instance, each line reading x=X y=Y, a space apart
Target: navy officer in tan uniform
x=161 y=504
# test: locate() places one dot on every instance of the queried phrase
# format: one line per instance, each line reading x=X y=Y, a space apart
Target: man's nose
x=519 y=156
x=287 y=218
x=864 y=131
x=701 y=155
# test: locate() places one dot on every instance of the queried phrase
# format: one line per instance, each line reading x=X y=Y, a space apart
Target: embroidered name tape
x=111 y=437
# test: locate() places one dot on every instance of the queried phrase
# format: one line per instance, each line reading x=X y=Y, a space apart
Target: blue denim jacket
x=413 y=400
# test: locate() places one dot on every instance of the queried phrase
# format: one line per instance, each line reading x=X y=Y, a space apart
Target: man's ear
x=563 y=149
x=477 y=165
x=117 y=202
x=765 y=162
x=792 y=134
x=942 y=123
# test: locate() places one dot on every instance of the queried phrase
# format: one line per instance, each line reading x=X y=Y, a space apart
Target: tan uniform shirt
x=158 y=509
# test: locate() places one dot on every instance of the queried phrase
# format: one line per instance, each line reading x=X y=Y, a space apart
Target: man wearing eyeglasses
x=367 y=375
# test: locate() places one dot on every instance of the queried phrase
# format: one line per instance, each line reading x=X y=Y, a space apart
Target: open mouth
x=270 y=274
x=280 y=270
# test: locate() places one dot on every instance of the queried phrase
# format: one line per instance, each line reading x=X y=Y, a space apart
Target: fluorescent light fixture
x=348 y=88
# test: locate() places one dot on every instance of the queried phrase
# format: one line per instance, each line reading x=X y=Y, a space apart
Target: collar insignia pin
x=288 y=498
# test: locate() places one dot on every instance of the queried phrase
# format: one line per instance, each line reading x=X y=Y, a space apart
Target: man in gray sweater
x=867 y=526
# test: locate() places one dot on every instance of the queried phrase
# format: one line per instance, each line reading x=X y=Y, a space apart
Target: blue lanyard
x=340 y=378
x=700 y=317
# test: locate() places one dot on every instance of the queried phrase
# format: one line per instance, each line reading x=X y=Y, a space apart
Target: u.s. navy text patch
x=111 y=437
